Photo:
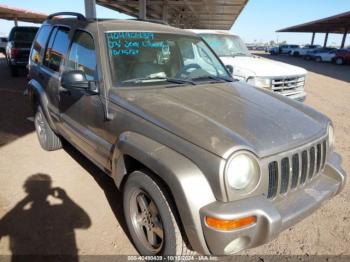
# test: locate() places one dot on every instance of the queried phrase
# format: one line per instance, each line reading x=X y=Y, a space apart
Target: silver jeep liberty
x=204 y=163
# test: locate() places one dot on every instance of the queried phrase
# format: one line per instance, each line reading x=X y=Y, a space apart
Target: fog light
x=227 y=225
x=237 y=245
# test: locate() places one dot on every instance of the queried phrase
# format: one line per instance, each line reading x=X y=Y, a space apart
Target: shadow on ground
x=328 y=69
x=113 y=195
x=42 y=230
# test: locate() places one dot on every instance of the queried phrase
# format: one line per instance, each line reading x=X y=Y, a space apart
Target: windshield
x=146 y=58
x=226 y=45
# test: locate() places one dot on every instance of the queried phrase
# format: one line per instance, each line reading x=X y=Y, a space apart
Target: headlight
x=242 y=171
x=260 y=82
x=331 y=138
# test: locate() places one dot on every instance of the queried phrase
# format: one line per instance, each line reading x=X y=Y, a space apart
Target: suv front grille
x=296 y=169
x=288 y=84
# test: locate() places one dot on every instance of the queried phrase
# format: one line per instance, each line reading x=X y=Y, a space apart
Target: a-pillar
x=142 y=9
x=165 y=11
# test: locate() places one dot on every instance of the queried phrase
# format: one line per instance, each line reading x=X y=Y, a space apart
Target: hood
x=256 y=66
x=223 y=117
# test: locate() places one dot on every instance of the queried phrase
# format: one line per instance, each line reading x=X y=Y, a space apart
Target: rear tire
x=318 y=59
x=47 y=137
x=339 y=61
x=151 y=217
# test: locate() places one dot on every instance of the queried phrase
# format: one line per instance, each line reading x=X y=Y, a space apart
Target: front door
x=82 y=114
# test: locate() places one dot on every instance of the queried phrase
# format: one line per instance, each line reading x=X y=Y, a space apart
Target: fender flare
x=35 y=90
x=188 y=185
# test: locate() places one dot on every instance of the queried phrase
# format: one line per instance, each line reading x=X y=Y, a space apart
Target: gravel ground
x=82 y=192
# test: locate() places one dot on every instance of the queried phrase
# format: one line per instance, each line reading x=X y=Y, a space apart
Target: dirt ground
x=85 y=213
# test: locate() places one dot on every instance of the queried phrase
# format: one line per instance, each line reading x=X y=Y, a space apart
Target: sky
x=257 y=23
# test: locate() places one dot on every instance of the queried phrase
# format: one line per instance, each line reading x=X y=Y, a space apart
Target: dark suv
x=203 y=162
x=18 y=47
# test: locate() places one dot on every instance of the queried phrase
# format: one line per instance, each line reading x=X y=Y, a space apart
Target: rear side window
x=57 y=48
x=40 y=43
x=82 y=55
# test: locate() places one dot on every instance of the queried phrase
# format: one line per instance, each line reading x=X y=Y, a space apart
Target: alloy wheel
x=146 y=221
x=40 y=126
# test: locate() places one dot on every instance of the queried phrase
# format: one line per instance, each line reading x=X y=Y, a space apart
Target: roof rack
x=156 y=21
x=78 y=15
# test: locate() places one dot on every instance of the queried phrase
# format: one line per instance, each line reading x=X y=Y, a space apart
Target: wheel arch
x=37 y=96
x=187 y=185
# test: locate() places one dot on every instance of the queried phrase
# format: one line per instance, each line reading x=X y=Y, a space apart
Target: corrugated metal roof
x=205 y=14
x=333 y=24
x=12 y=13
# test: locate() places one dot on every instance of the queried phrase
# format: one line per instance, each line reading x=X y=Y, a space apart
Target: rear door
x=55 y=53
x=37 y=54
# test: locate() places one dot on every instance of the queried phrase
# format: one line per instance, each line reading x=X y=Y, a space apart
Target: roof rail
x=78 y=15
x=156 y=21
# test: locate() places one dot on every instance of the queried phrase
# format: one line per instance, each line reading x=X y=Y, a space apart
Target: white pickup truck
x=278 y=77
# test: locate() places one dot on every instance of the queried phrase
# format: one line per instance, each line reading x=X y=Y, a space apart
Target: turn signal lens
x=227 y=225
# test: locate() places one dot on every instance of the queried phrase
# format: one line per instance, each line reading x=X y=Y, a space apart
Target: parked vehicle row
x=337 y=56
x=204 y=163
x=314 y=52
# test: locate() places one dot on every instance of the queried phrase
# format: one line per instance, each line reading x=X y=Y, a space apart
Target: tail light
x=14 y=52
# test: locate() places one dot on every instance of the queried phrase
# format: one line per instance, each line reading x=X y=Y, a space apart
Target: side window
x=82 y=55
x=40 y=43
x=57 y=49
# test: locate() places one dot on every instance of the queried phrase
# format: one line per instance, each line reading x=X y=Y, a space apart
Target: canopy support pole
x=344 y=38
x=15 y=21
x=325 y=40
x=90 y=9
x=313 y=38
x=142 y=9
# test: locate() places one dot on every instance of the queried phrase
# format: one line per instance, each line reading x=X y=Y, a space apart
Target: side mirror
x=229 y=68
x=76 y=80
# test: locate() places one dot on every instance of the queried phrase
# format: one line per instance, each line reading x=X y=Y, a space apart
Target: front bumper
x=272 y=216
x=300 y=96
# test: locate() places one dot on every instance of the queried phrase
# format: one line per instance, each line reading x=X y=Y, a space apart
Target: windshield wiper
x=216 y=78
x=167 y=79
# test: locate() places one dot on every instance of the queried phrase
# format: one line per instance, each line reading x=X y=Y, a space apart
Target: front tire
x=47 y=137
x=150 y=217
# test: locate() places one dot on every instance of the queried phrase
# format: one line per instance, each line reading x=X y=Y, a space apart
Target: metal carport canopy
x=204 y=14
x=18 y=14
x=337 y=24
x=334 y=24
